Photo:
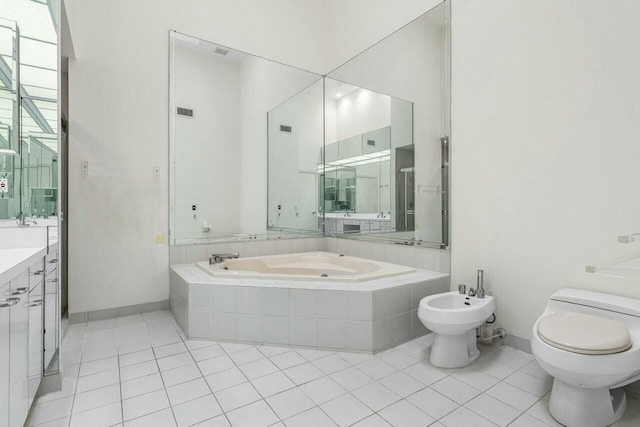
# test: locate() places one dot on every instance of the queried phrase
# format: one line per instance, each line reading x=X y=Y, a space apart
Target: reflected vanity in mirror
x=359 y=153
x=365 y=169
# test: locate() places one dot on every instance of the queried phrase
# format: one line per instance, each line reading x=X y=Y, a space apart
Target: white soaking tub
x=361 y=305
x=310 y=266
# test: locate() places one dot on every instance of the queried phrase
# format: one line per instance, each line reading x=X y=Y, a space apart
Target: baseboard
x=110 y=313
x=519 y=343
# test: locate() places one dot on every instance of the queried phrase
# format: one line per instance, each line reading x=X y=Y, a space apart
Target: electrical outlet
x=156 y=172
x=84 y=168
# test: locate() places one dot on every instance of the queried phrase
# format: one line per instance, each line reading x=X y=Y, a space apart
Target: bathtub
x=309 y=266
x=361 y=305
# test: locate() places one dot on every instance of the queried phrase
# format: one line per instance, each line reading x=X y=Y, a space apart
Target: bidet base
x=586 y=407
x=454 y=351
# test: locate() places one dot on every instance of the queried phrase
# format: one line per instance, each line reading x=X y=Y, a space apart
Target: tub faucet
x=480 y=288
x=218 y=258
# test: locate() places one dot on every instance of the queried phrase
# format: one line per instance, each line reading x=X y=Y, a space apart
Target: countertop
x=20 y=247
x=15 y=261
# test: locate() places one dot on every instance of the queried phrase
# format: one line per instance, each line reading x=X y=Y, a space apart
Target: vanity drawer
x=51 y=261
x=36 y=274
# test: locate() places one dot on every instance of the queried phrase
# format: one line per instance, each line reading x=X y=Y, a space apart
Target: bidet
x=453 y=318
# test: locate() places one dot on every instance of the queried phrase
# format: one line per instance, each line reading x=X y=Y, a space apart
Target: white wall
x=118 y=111
x=545 y=145
x=355 y=25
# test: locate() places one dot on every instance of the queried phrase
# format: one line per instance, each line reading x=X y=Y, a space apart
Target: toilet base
x=586 y=407
x=454 y=351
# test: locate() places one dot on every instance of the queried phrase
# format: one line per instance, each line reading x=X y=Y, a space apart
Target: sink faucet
x=218 y=258
x=23 y=222
x=480 y=287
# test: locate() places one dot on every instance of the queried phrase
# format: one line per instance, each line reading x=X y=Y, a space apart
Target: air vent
x=371 y=142
x=185 y=112
x=221 y=51
x=284 y=128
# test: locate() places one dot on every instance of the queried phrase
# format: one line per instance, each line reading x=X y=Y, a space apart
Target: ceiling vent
x=185 y=112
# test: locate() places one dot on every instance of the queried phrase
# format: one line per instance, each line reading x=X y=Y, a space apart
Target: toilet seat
x=583 y=333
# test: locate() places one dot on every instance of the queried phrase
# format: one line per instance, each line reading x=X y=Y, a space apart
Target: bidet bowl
x=453 y=313
x=453 y=318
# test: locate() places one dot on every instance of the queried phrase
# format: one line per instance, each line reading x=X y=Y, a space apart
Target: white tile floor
x=141 y=371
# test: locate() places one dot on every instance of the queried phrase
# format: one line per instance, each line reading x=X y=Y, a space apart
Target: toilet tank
x=598 y=300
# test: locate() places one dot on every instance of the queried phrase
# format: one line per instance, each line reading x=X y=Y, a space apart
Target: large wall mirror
x=28 y=112
x=359 y=153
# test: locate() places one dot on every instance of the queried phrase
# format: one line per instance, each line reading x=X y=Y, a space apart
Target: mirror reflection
x=294 y=151
x=9 y=161
x=368 y=151
x=219 y=102
x=410 y=65
x=28 y=116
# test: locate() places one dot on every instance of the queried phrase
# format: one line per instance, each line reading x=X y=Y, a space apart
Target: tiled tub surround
x=362 y=317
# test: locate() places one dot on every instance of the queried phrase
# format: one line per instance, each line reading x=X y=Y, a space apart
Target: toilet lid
x=583 y=333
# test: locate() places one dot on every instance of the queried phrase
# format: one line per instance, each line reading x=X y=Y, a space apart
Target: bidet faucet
x=218 y=258
x=480 y=287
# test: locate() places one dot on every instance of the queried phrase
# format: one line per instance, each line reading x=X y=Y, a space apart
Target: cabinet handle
x=53 y=261
x=9 y=302
x=54 y=280
x=18 y=291
x=38 y=273
x=34 y=304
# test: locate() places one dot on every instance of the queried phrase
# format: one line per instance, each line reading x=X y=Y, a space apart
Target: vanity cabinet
x=35 y=366
x=18 y=366
x=5 y=339
x=51 y=312
x=21 y=342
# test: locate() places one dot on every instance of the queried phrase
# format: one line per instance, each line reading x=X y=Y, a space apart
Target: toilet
x=589 y=342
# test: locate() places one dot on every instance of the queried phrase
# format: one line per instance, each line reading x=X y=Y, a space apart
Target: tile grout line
x=205 y=380
x=250 y=383
x=75 y=389
x=164 y=386
x=119 y=379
